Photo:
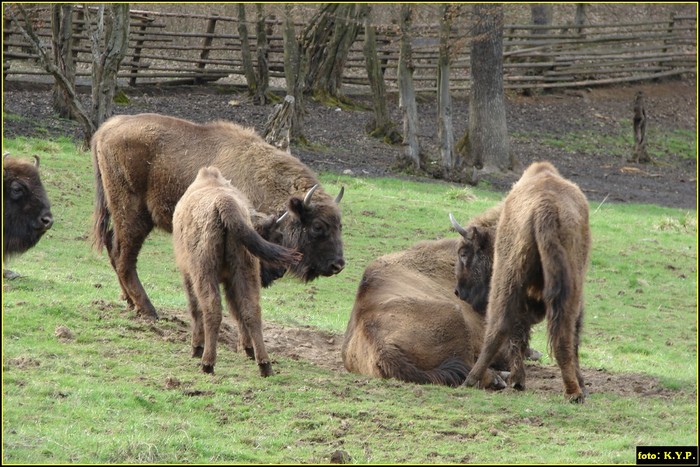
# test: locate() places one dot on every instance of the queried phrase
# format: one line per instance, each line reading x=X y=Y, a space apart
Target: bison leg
x=565 y=346
x=519 y=344
x=501 y=312
x=243 y=297
x=128 y=240
x=197 y=321
x=210 y=300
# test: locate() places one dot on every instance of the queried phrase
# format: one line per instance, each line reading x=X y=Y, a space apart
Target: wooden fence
x=534 y=56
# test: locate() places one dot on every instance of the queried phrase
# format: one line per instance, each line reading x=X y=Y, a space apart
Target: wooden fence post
x=211 y=25
x=137 y=50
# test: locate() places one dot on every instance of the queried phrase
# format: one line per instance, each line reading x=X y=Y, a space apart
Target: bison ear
x=296 y=207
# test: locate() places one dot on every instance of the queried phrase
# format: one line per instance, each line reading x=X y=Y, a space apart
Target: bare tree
x=639 y=126
x=407 y=96
x=294 y=72
x=326 y=42
x=246 y=56
x=108 y=30
x=488 y=133
x=62 y=45
x=382 y=126
x=450 y=157
x=580 y=18
x=263 y=74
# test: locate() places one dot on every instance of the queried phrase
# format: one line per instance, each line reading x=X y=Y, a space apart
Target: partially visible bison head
x=27 y=211
x=474 y=264
x=314 y=229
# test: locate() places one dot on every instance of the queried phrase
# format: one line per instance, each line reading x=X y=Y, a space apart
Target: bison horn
x=309 y=194
x=458 y=227
x=340 y=195
x=5 y=155
x=36 y=161
x=282 y=217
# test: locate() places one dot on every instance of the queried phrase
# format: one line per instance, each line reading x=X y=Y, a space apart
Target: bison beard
x=540 y=257
x=144 y=163
x=214 y=242
x=26 y=208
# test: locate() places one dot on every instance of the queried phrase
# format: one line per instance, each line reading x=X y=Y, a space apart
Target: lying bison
x=26 y=208
x=144 y=163
x=408 y=324
x=539 y=260
x=215 y=242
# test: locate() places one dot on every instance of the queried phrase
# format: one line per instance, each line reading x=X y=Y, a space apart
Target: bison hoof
x=197 y=352
x=10 y=275
x=266 y=369
x=471 y=382
x=532 y=354
x=576 y=398
x=208 y=369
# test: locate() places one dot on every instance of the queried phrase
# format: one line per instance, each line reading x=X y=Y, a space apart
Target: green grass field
x=121 y=391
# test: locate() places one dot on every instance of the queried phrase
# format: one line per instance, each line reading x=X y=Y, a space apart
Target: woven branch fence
x=562 y=56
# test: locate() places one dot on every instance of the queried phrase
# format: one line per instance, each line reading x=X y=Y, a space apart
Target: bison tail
x=393 y=363
x=271 y=253
x=101 y=215
x=557 y=275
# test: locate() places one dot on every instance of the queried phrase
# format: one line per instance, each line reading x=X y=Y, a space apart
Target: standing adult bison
x=215 y=242
x=26 y=208
x=408 y=324
x=539 y=259
x=144 y=163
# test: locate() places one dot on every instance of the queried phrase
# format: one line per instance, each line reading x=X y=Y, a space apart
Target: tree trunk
x=450 y=159
x=110 y=41
x=263 y=74
x=279 y=124
x=580 y=18
x=407 y=97
x=293 y=73
x=541 y=16
x=381 y=126
x=246 y=56
x=639 y=124
x=488 y=132
x=326 y=44
x=62 y=41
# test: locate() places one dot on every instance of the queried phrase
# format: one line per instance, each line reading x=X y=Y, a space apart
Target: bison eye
x=16 y=190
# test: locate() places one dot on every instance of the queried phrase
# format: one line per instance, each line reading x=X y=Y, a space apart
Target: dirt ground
x=343 y=146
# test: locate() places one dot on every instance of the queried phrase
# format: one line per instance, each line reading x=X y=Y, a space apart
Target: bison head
x=26 y=208
x=314 y=229
x=474 y=264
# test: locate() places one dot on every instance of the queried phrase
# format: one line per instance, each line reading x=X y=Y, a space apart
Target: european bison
x=540 y=258
x=26 y=208
x=408 y=324
x=144 y=163
x=215 y=242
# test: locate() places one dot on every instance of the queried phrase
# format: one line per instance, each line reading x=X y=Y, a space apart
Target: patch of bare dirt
x=323 y=349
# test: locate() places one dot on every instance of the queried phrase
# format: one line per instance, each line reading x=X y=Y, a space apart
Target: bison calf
x=539 y=260
x=26 y=208
x=215 y=242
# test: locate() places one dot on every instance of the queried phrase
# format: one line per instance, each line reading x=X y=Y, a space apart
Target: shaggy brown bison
x=540 y=257
x=215 y=242
x=26 y=208
x=408 y=324
x=144 y=163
